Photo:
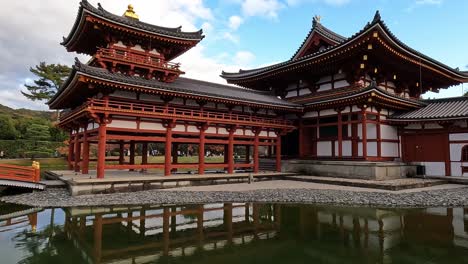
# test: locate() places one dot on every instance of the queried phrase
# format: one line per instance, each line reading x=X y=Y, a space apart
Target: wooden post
x=230 y=152
x=255 y=150
x=201 y=150
x=85 y=164
x=121 y=153
x=364 y=131
x=227 y=221
x=71 y=148
x=144 y=153
x=379 y=136
x=340 y=134
x=77 y=152
x=132 y=154
x=278 y=152
x=101 y=159
x=168 y=149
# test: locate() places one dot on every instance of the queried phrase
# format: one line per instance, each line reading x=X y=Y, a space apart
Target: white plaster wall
x=123 y=124
x=347 y=148
x=179 y=128
x=137 y=47
x=327 y=112
x=211 y=130
x=223 y=131
x=371 y=131
x=191 y=102
x=249 y=132
x=432 y=126
x=192 y=129
x=458 y=136
x=372 y=149
x=152 y=126
x=311 y=114
x=413 y=126
x=291 y=94
x=434 y=168
x=325 y=87
x=342 y=83
x=178 y=101
x=356 y=109
x=389 y=149
x=460 y=124
x=359 y=130
x=324 y=148
x=455 y=168
x=237 y=108
x=239 y=132
x=149 y=97
x=388 y=132
x=304 y=91
x=262 y=134
x=324 y=79
x=359 y=149
x=455 y=151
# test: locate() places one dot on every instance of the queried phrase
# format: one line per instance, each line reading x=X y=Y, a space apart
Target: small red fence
x=20 y=173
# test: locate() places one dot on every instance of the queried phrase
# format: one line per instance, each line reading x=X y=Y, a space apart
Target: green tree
x=50 y=78
x=37 y=132
x=7 y=128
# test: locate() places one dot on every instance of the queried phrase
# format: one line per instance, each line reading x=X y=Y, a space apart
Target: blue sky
x=239 y=33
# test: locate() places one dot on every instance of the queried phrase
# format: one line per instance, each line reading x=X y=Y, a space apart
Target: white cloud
x=328 y=2
x=235 y=22
x=419 y=3
x=244 y=57
x=264 y=8
x=231 y=37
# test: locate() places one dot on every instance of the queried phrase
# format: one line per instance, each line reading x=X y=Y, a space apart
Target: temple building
x=349 y=99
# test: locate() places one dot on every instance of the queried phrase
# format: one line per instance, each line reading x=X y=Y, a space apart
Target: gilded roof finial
x=131 y=13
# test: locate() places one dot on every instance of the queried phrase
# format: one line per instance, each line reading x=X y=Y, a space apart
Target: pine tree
x=50 y=78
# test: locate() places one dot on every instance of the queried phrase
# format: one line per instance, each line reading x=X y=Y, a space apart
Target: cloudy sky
x=239 y=33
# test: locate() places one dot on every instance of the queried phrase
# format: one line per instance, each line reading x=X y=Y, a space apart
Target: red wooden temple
x=337 y=98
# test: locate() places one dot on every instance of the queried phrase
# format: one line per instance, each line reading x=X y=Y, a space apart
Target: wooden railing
x=129 y=56
x=187 y=113
x=20 y=173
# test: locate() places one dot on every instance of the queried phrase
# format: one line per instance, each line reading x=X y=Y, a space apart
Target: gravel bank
x=60 y=198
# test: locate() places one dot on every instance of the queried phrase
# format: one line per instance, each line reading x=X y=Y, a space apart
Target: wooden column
x=364 y=131
x=77 y=152
x=144 y=153
x=230 y=150
x=278 y=152
x=255 y=150
x=85 y=164
x=168 y=148
x=301 y=139
x=132 y=154
x=121 y=153
x=227 y=221
x=340 y=134
x=175 y=155
x=101 y=157
x=71 y=148
x=379 y=136
x=201 y=149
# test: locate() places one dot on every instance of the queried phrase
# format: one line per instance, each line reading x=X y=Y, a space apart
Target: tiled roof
x=184 y=86
x=133 y=23
x=446 y=108
x=289 y=64
x=322 y=30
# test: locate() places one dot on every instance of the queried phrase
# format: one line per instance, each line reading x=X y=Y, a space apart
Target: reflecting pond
x=233 y=233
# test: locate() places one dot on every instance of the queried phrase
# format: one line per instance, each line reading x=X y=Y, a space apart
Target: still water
x=233 y=233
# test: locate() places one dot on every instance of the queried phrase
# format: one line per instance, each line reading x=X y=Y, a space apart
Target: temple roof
x=363 y=93
x=377 y=24
x=86 y=9
x=184 y=86
x=318 y=28
x=436 y=109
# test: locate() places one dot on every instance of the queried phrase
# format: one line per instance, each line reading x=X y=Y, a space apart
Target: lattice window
x=464 y=153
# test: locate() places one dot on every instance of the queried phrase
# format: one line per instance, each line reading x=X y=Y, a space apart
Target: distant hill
x=27 y=113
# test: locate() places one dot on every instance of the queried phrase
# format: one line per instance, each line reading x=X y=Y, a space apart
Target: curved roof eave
x=377 y=22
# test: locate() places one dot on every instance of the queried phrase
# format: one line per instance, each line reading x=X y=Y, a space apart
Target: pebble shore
x=434 y=198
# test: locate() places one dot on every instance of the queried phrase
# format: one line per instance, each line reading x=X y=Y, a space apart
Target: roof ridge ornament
x=316 y=20
x=130 y=13
x=377 y=17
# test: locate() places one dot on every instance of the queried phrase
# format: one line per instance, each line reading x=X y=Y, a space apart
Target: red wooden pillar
x=132 y=154
x=364 y=131
x=85 y=164
x=201 y=150
x=168 y=149
x=230 y=150
x=101 y=157
x=77 y=152
x=71 y=148
x=121 y=153
x=340 y=134
x=278 y=152
x=379 y=137
x=144 y=153
x=255 y=150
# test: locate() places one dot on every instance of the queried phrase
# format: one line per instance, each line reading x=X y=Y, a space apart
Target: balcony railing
x=149 y=61
x=120 y=107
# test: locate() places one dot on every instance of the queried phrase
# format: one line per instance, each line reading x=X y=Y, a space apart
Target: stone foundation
x=351 y=169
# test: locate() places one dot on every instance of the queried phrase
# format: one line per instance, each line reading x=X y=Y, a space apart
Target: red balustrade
x=20 y=173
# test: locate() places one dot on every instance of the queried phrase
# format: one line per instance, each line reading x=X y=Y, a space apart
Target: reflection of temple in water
x=263 y=233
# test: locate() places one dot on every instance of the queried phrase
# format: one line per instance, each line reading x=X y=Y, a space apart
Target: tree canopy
x=50 y=78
